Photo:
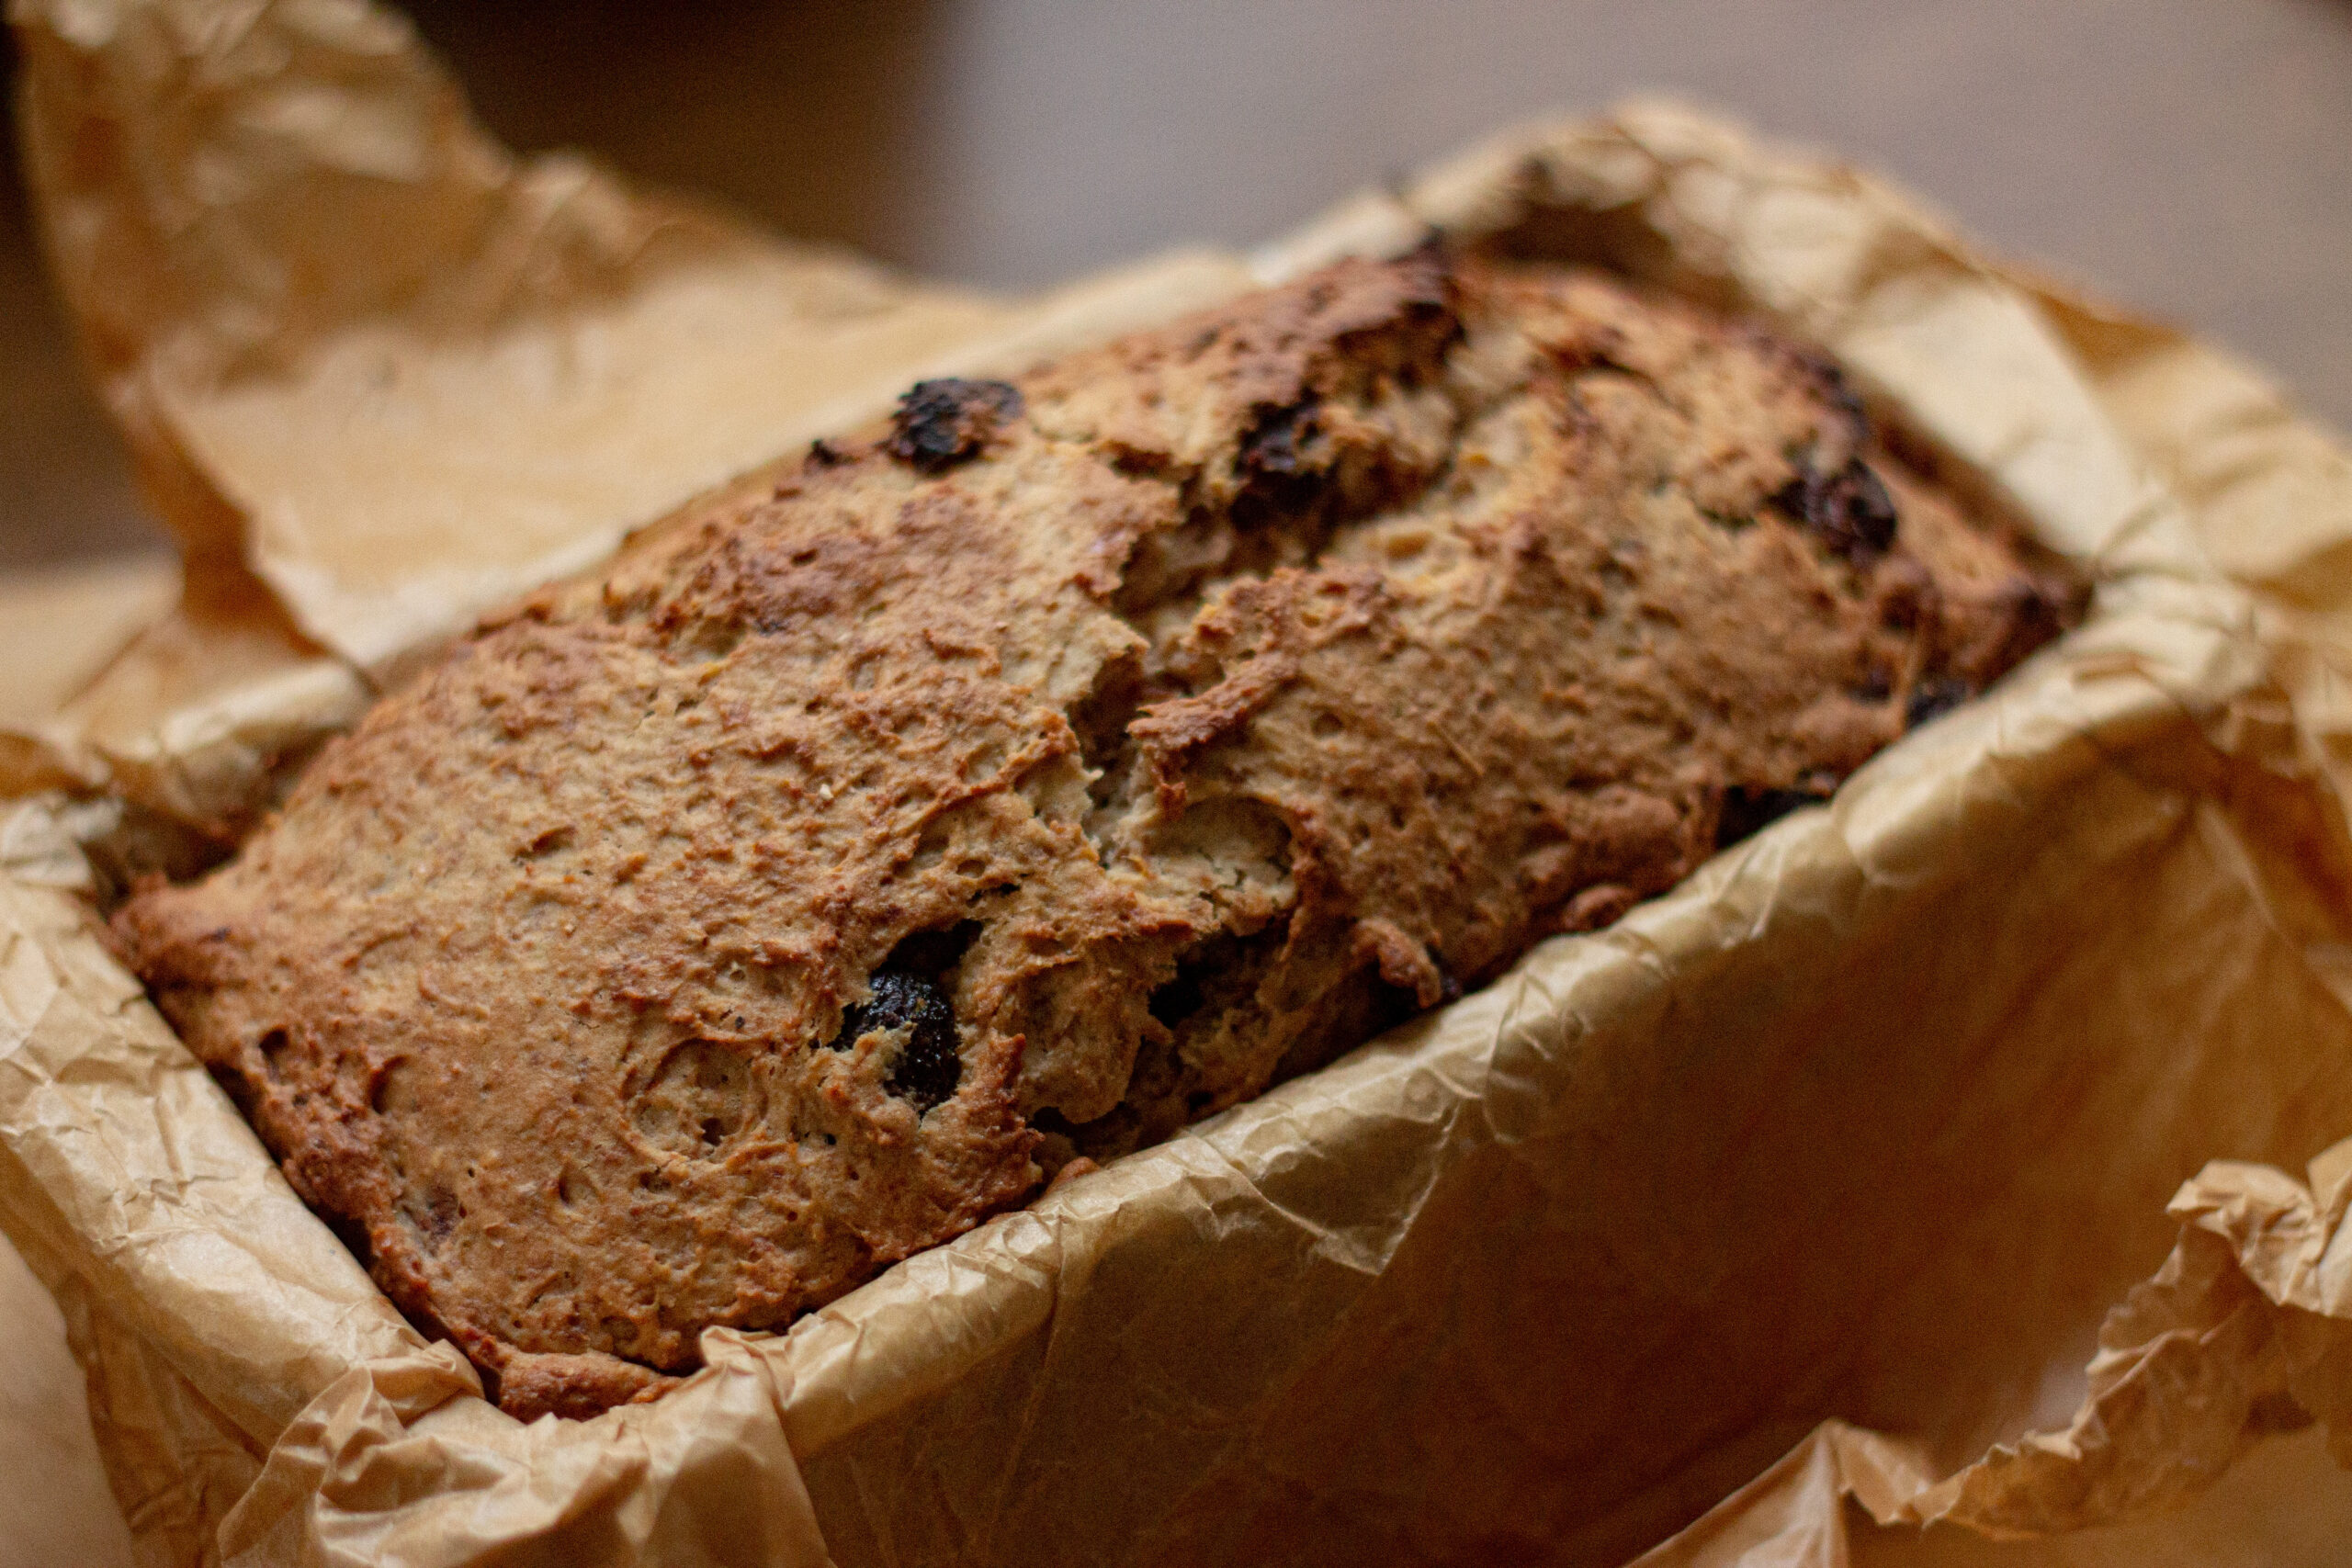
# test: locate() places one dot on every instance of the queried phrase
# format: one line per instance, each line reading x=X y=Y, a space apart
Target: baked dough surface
x=1056 y=766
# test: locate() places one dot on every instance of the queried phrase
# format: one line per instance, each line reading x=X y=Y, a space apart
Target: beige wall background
x=2193 y=157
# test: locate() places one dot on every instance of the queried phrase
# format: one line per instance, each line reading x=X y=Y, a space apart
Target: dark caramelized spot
x=1935 y=696
x=942 y=424
x=1836 y=386
x=928 y=1068
x=1848 y=511
x=2040 y=607
x=1747 y=811
x=932 y=955
x=1275 y=468
x=1219 y=972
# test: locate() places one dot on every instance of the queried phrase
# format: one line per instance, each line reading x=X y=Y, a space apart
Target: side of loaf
x=1061 y=764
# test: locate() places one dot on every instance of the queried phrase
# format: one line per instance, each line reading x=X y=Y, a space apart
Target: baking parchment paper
x=1954 y=1174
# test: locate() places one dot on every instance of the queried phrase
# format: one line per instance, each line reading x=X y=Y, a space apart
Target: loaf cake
x=1063 y=761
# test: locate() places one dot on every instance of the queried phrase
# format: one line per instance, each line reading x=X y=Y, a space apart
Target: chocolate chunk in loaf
x=1062 y=762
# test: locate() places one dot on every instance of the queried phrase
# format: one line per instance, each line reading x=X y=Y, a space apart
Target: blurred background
x=2192 y=157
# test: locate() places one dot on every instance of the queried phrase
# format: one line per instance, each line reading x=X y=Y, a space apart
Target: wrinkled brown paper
x=1956 y=1175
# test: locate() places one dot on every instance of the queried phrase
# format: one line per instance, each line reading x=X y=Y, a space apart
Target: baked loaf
x=1059 y=765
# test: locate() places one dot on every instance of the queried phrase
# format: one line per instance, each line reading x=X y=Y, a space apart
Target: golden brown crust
x=1061 y=764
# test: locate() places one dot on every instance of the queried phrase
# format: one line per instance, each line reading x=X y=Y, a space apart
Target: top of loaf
x=1060 y=763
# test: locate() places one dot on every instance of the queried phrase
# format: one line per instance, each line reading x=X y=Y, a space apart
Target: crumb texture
x=1059 y=765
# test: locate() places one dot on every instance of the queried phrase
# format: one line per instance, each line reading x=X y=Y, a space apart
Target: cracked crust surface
x=1061 y=764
